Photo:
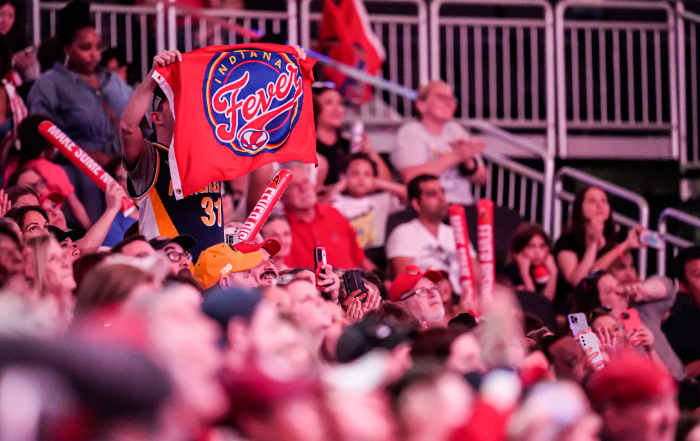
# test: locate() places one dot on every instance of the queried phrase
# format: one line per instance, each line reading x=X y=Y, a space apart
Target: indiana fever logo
x=253 y=99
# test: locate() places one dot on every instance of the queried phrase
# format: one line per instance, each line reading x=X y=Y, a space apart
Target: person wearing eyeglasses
x=418 y=294
x=177 y=250
x=438 y=145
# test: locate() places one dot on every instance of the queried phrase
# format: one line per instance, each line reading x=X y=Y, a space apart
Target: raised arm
x=129 y=127
x=95 y=236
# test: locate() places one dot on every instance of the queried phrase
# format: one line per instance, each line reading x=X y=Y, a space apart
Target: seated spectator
x=12 y=108
x=567 y=357
x=530 y=249
x=590 y=243
x=177 y=250
x=425 y=241
x=22 y=195
x=438 y=145
x=367 y=201
x=636 y=399
x=11 y=257
x=84 y=101
x=51 y=275
x=37 y=154
x=651 y=299
x=31 y=219
x=455 y=348
x=318 y=225
x=334 y=150
x=554 y=411
x=419 y=295
x=110 y=285
x=683 y=325
x=431 y=403
x=134 y=246
x=113 y=60
x=220 y=264
x=277 y=227
x=81 y=241
x=121 y=223
x=22 y=57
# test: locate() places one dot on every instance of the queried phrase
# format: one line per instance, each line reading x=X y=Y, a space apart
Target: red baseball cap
x=629 y=378
x=272 y=246
x=407 y=280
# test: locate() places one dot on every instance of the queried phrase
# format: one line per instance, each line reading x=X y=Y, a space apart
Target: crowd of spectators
x=153 y=327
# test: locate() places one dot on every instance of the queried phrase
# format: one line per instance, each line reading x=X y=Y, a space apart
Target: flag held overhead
x=237 y=108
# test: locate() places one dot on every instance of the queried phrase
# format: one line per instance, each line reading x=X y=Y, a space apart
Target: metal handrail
x=610 y=188
x=547 y=22
x=672 y=213
x=561 y=24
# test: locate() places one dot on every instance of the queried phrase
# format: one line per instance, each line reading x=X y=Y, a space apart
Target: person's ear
x=420 y=105
x=415 y=205
x=156 y=118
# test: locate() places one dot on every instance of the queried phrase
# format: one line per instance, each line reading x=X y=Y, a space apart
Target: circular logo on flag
x=253 y=99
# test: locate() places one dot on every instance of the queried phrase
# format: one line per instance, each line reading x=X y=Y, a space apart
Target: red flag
x=236 y=109
x=346 y=36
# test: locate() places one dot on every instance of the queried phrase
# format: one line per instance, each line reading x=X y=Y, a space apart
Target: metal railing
x=190 y=28
x=404 y=34
x=688 y=25
x=514 y=185
x=616 y=72
x=617 y=196
x=138 y=31
x=685 y=225
x=501 y=67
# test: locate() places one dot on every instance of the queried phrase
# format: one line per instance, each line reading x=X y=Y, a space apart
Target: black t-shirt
x=569 y=242
x=336 y=155
x=682 y=329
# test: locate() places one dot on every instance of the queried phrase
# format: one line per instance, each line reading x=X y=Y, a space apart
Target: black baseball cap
x=61 y=235
x=184 y=240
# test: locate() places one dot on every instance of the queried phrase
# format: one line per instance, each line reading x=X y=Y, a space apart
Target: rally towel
x=237 y=108
x=346 y=36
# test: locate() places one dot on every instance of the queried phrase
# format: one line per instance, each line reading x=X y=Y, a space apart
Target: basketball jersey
x=200 y=215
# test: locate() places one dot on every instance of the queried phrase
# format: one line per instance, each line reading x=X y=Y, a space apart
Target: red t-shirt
x=329 y=229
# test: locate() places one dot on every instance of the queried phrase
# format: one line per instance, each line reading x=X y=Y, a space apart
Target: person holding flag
x=238 y=108
x=160 y=214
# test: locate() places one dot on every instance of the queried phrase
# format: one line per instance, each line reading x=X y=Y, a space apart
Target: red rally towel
x=237 y=108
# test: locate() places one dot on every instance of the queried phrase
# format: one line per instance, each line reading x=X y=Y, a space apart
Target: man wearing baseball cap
x=249 y=265
x=417 y=292
x=177 y=250
x=636 y=398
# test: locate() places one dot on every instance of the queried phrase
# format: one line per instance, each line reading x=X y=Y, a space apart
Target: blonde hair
x=39 y=260
x=428 y=87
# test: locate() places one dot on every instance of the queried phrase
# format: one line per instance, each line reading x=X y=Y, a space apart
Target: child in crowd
x=367 y=201
x=532 y=266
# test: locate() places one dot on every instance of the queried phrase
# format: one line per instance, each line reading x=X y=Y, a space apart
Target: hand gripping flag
x=237 y=108
x=346 y=36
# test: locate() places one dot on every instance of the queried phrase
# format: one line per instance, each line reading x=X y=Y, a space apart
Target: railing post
x=172 y=26
x=551 y=82
x=305 y=22
x=661 y=264
x=435 y=39
x=683 y=129
x=548 y=196
x=423 y=38
x=673 y=78
x=560 y=78
x=293 y=22
x=36 y=26
x=160 y=27
x=558 y=214
x=643 y=252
